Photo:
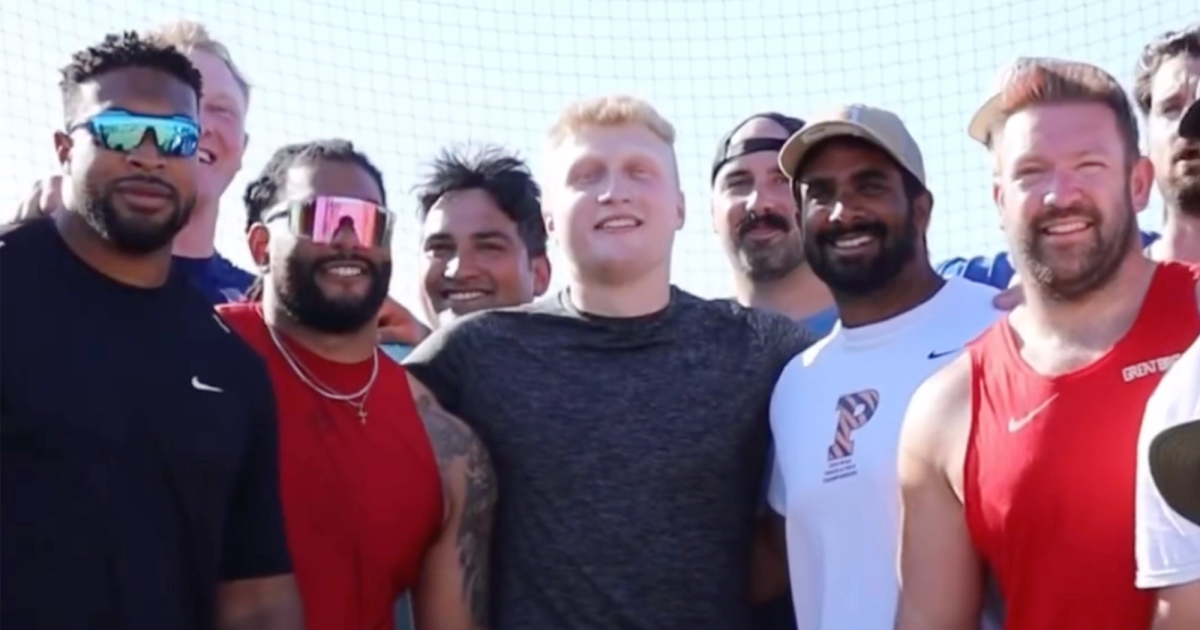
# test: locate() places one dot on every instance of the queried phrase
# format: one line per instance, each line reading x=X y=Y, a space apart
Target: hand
x=44 y=198
x=1009 y=298
x=398 y=325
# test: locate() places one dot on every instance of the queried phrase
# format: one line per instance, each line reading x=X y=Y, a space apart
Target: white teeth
x=1066 y=228
x=464 y=296
x=206 y=156
x=617 y=224
x=345 y=272
x=854 y=240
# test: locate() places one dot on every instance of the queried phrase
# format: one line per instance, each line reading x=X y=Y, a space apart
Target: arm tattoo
x=455 y=445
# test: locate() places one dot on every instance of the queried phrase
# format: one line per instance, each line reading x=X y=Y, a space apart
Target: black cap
x=726 y=153
x=1189 y=125
x=1175 y=464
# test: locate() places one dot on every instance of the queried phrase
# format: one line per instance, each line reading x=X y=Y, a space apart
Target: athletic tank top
x=362 y=501
x=1049 y=474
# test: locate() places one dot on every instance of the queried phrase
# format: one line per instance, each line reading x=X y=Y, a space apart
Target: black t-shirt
x=139 y=449
x=631 y=455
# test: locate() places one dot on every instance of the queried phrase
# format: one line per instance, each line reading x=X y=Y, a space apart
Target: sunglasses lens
x=326 y=218
x=125 y=132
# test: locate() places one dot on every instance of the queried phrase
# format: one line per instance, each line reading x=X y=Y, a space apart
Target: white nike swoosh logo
x=1015 y=425
x=205 y=388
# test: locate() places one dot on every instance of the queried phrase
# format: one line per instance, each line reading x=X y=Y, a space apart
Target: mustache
x=1187 y=150
x=754 y=220
x=836 y=231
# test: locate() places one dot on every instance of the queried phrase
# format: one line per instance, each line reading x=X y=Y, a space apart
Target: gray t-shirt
x=630 y=455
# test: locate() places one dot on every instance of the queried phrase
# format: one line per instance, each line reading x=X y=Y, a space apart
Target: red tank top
x=1050 y=467
x=362 y=501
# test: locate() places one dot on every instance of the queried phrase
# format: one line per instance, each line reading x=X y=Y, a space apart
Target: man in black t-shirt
x=140 y=482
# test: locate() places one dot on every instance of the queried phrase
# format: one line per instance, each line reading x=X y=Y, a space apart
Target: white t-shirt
x=1167 y=545
x=835 y=419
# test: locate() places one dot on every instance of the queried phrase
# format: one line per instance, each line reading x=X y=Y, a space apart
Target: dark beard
x=304 y=301
x=131 y=236
x=771 y=262
x=1187 y=197
x=863 y=278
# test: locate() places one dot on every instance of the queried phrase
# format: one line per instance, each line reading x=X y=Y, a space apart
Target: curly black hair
x=119 y=51
x=502 y=175
x=263 y=192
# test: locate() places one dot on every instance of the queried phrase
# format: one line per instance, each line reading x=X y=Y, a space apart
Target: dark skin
x=452 y=590
x=474 y=258
x=267 y=603
x=92 y=168
x=848 y=183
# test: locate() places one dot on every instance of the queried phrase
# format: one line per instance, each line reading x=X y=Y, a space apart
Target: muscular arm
x=770 y=577
x=453 y=593
x=1179 y=607
x=941 y=576
x=270 y=603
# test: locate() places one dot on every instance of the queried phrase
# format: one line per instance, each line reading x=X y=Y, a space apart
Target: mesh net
x=401 y=81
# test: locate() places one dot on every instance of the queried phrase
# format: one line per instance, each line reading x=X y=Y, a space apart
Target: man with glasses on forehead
x=378 y=498
x=140 y=475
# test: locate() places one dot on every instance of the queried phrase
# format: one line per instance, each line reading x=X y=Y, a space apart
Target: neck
x=353 y=347
x=1097 y=318
x=1180 y=238
x=147 y=271
x=913 y=287
x=645 y=295
x=798 y=295
x=196 y=240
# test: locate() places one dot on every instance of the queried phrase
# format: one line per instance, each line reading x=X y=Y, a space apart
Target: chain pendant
x=362 y=411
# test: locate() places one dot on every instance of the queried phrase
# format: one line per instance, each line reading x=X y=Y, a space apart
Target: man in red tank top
x=998 y=458
x=377 y=498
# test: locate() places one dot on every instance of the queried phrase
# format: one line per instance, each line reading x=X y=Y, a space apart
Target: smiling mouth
x=1066 y=228
x=345 y=269
x=463 y=296
x=206 y=156
x=618 y=224
x=853 y=241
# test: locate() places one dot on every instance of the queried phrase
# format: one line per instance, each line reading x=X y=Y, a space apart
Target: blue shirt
x=217 y=278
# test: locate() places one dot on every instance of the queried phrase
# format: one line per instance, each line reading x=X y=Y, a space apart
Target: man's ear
x=62 y=148
x=541 y=274
x=258 y=239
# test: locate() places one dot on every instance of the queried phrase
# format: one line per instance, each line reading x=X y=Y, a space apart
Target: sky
x=406 y=78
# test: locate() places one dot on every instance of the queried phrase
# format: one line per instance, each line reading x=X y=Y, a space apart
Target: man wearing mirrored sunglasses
x=140 y=476
x=379 y=498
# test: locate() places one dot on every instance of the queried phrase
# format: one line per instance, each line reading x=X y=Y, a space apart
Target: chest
x=836 y=427
x=1061 y=455
x=120 y=386
x=683 y=416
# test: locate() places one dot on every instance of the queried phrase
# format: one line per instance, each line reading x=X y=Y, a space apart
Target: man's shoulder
x=26 y=238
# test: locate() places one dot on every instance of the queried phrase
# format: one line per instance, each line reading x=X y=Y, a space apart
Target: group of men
x=596 y=457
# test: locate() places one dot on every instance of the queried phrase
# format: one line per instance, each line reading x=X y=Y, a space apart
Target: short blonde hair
x=609 y=111
x=188 y=36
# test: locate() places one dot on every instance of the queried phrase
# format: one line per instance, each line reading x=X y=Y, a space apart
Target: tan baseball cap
x=1030 y=70
x=875 y=125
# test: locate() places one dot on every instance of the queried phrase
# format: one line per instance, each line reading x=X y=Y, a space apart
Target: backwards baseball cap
x=1189 y=125
x=1175 y=462
x=877 y=126
x=1025 y=75
x=727 y=152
